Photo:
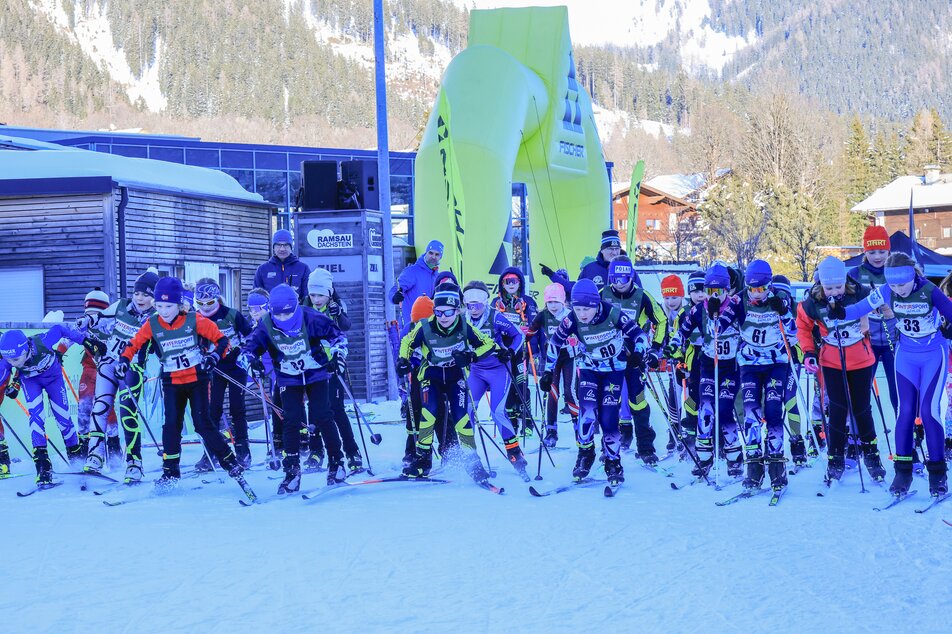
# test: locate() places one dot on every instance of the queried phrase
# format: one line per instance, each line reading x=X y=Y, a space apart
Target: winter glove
x=809 y=363
x=777 y=305
x=546 y=270
x=398 y=296
x=652 y=360
x=714 y=307
x=636 y=359
x=680 y=375
x=122 y=368
x=837 y=311
x=333 y=309
x=94 y=347
x=245 y=361
x=85 y=322
x=671 y=351
x=545 y=381
x=504 y=355
x=337 y=364
x=13 y=388
x=210 y=362
x=403 y=367
x=462 y=358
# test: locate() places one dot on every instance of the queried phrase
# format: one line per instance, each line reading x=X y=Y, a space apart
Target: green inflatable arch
x=511 y=110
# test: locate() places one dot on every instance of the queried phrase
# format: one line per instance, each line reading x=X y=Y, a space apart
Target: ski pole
x=48 y=441
x=525 y=410
x=6 y=425
x=139 y=415
x=879 y=406
x=801 y=405
x=360 y=428
x=273 y=462
x=483 y=434
x=361 y=419
x=671 y=411
x=245 y=389
x=849 y=402
x=70 y=384
x=717 y=409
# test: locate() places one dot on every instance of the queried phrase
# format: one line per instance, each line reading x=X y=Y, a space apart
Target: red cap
x=875 y=238
x=671 y=286
x=422 y=309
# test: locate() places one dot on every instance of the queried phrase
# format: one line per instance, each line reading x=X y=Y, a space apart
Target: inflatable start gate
x=510 y=109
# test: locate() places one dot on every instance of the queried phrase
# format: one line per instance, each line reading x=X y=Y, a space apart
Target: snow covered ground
x=418 y=557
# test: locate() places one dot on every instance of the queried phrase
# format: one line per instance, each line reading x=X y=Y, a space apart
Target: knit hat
x=717 y=277
x=96 y=301
x=620 y=267
x=781 y=283
x=207 y=291
x=145 y=283
x=444 y=276
x=283 y=299
x=696 y=281
x=554 y=293
x=875 y=238
x=13 y=343
x=258 y=299
x=758 y=273
x=435 y=245
x=610 y=239
x=282 y=235
x=188 y=296
x=585 y=293
x=447 y=296
x=671 y=286
x=422 y=308
x=320 y=282
x=832 y=272
x=169 y=289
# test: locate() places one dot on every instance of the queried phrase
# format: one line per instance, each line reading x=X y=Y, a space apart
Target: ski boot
x=672 y=441
x=627 y=430
x=134 y=471
x=917 y=466
x=551 y=437
x=83 y=445
x=96 y=455
x=938 y=478
x=115 y=456
x=755 y=472
x=903 y=476
x=292 y=475
x=314 y=462
x=735 y=467
x=819 y=435
x=44 y=468
x=336 y=473
x=583 y=464
x=813 y=447
x=74 y=455
x=170 y=476
x=777 y=470
x=355 y=463
x=873 y=464
x=243 y=453
x=206 y=464
x=705 y=458
x=948 y=447
x=421 y=465
x=835 y=466
x=852 y=454
x=475 y=470
x=516 y=457
x=4 y=458
x=798 y=450
x=409 y=451
x=650 y=458
x=614 y=471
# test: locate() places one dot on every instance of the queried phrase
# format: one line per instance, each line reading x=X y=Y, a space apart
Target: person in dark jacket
x=515 y=304
x=284 y=267
x=610 y=249
x=417 y=279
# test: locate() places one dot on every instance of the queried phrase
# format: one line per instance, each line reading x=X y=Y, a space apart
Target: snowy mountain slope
x=415 y=558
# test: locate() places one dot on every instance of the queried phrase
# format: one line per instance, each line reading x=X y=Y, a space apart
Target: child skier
x=233 y=324
x=689 y=372
x=94 y=303
x=117 y=325
x=609 y=342
x=447 y=345
x=514 y=304
x=39 y=370
x=922 y=356
x=842 y=340
x=544 y=325
x=490 y=373
x=189 y=347
x=622 y=292
x=294 y=337
x=719 y=357
x=672 y=305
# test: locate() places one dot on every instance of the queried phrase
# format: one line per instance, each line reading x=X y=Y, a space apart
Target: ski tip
x=609 y=492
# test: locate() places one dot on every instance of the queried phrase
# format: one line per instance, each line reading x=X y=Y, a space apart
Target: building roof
x=895 y=195
x=132 y=172
x=620 y=190
x=683 y=185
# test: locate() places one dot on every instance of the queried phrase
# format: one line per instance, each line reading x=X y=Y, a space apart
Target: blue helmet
x=620 y=269
x=13 y=343
x=758 y=273
x=717 y=277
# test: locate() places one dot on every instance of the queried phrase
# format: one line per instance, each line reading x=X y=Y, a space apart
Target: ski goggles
x=204 y=303
x=475 y=305
x=757 y=289
x=445 y=312
x=715 y=292
x=620 y=279
x=510 y=279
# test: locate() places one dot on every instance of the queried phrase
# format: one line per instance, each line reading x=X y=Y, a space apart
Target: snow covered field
x=414 y=557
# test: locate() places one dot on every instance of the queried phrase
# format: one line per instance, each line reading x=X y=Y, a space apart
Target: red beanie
x=671 y=286
x=875 y=238
x=422 y=309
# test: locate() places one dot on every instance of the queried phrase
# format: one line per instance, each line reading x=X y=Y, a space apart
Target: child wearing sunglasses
x=520 y=309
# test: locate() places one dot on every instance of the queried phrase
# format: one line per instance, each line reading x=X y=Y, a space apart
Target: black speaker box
x=320 y=184
x=361 y=176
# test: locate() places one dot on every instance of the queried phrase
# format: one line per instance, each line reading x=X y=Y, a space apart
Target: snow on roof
x=679 y=185
x=132 y=172
x=21 y=143
x=895 y=195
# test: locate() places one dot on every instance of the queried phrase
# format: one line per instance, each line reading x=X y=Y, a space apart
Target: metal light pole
x=383 y=177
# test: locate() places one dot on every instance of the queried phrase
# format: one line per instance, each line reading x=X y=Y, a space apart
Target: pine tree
x=859 y=175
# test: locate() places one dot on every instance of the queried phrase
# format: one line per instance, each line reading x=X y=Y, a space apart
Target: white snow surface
x=93 y=33
x=427 y=558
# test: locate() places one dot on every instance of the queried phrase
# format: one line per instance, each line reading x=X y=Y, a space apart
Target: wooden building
x=664 y=221
x=72 y=220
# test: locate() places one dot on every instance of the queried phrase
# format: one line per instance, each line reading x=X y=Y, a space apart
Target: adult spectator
x=417 y=279
x=597 y=271
x=284 y=267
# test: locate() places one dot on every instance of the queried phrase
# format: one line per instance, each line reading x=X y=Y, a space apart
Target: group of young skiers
x=721 y=355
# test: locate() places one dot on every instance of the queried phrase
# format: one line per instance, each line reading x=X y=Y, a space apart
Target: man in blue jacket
x=284 y=267
x=610 y=249
x=417 y=279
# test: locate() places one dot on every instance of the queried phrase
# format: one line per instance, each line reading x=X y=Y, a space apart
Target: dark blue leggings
x=920 y=376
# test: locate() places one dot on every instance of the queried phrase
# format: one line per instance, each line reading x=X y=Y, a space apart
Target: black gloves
x=463 y=358
x=545 y=381
x=713 y=307
x=13 y=388
x=94 y=347
x=337 y=364
x=651 y=359
x=403 y=367
x=504 y=354
x=210 y=362
x=334 y=309
x=398 y=296
x=837 y=310
x=546 y=270
x=636 y=358
x=777 y=305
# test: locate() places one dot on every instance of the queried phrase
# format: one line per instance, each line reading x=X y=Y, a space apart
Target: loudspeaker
x=320 y=184
x=361 y=176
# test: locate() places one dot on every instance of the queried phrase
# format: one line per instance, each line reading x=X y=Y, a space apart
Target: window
x=26 y=285
x=947 y=232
